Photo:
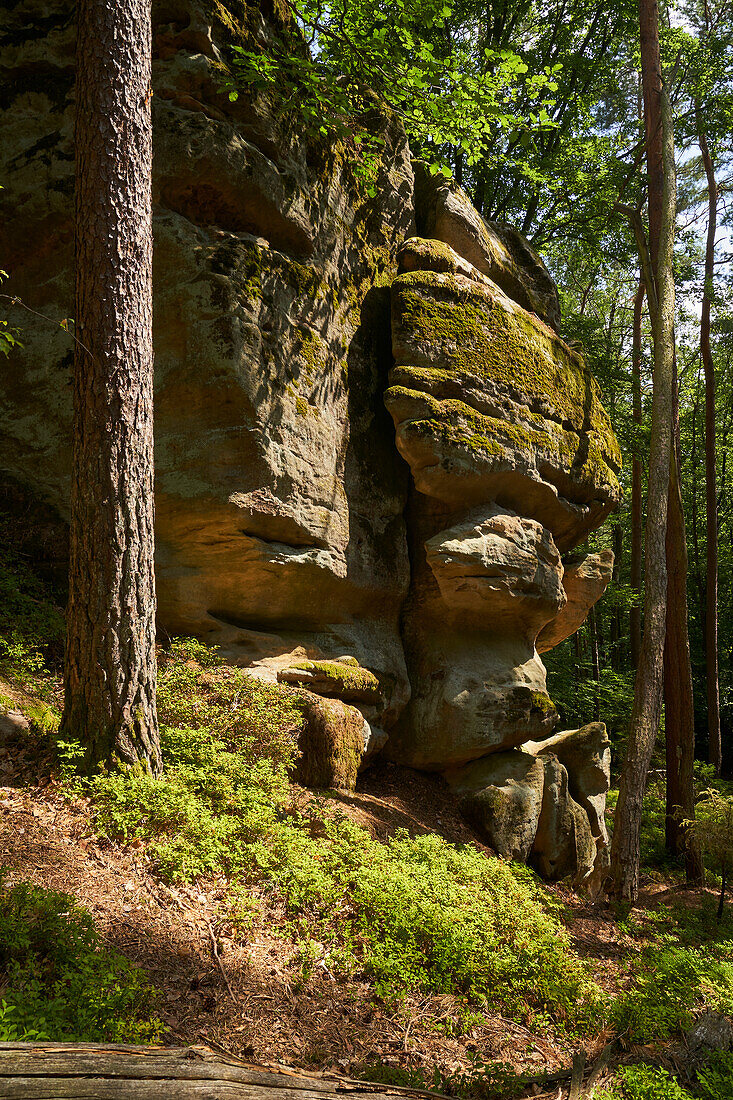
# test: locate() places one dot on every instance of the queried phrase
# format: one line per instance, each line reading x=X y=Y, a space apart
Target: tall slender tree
x=678 y=692
x=637 y=535
x=659 y=278
x=712 y=677
x=110 y=672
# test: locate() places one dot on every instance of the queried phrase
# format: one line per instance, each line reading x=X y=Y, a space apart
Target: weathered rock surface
x=513 y=459
x=564 y=846
x=279 y=494
x=501 y=796
x=585 y=754
x=295 y=312
x=585 y=580
x=500 y=571
x=489 y=404
x=332 y=742
x=446 y=214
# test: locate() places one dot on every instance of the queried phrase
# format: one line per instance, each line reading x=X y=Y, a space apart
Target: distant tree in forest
x=110 y=670
x=659 y=279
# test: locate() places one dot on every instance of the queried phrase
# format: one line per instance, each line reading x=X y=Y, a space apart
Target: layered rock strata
x=279 y=494
x=405 y=572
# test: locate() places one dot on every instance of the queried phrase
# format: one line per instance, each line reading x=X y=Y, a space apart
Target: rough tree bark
x=110 y=675
x=679 y=708
x=636 y=490
x=617 y=630
x=660 y=288
x=712 y=678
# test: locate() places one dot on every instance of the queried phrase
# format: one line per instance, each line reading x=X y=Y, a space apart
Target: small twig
x=215 y=952
x=16 y=301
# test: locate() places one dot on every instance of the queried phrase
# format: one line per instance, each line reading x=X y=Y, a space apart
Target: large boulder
x=585 y=754
x=489 y=404
x=501 y=796
x=514 y=460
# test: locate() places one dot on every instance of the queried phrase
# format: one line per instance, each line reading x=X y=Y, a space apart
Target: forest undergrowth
x=209 y=902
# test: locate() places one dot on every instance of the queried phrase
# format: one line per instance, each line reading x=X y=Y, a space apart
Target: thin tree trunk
x=617 y=628
x=636 y=473
x=625 y=854
x=679 y=708
x=110 y=674
x=712 y=678
x=595 y=663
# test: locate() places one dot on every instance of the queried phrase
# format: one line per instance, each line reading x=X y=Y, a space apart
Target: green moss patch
x=472 y=332
x=346 y=677
x=331 y=744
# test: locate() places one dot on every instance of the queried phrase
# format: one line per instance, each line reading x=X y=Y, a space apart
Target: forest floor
x=239 y=992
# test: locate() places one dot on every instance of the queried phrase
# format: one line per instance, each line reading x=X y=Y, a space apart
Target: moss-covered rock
x=490 y=404
x=331 y=743
x=339 y=679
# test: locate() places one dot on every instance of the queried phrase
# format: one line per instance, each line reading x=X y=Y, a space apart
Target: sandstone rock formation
x=405 y=572
x=279 y=495
x=585 y=580
x=543 y=803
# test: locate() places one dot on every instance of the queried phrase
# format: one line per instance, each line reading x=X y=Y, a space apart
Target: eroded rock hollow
x=372 y=446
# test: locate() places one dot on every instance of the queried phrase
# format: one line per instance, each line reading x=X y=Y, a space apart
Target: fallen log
x=91 y=1071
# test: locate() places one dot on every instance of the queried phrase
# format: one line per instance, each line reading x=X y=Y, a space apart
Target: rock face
x=405 y=571
x=279 y=495
x=585 y=580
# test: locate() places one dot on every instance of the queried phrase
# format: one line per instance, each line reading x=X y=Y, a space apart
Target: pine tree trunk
x=110 y=672
x=712 y=678
x=625 y=854
x=636 y=490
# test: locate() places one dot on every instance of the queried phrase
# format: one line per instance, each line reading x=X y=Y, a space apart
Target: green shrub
x=715 y=1078
x=418 y=912
x=669 y=981
x=196 y=691
x=411 y=913
x=645 y=1083
x=480 y=1081
x=60 y=983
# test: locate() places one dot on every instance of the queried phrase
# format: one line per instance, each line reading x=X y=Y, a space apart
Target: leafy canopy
x=407 y=57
